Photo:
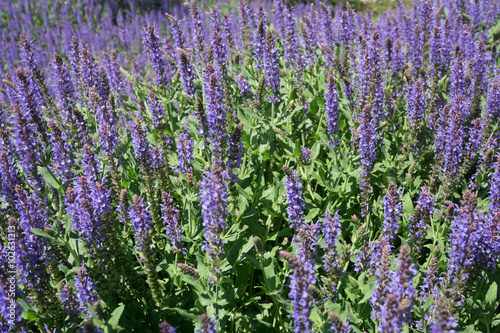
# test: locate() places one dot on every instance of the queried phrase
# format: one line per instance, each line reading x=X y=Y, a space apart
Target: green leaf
x=315 y=150
x=470 y=329
x=31 y=315
x=312 y=214
x=408 y=204
x=52 y=239
x=49 y=177
x=491 y=295
x=115 y=317
x=296 y=152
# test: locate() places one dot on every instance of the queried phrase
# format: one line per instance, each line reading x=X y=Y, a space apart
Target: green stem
x=319 y=123
x=174 y=274
x=73 y=252
x=217 y=295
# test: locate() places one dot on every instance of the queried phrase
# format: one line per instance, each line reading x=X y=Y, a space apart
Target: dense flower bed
x=235 y=166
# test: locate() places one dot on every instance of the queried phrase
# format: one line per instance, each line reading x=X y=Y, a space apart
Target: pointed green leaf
x=49 y=177
x=115 y=316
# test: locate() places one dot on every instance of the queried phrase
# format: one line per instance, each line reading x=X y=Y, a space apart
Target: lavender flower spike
x=331 y=232
x=216 y=113
x=444 y=322
x=185 y=147
x=141 y=145
x=338 y=326
x=153 y=46
x=495 y=187
x=305 y=155
x=166 y=327
x=85 y=289
x=272 y=70
x=214 y=195
x=156 y=109
x=141 y=221
x=63 y=87
x=332 y=110
x=187 y=72
x=208 y=324
x=416 y=103
x=171 y=222
x=392 y=212
x=421 y=217
x=294 y=198
x=299 y=293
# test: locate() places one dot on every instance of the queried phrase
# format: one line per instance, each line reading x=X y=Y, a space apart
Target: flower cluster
x=392 y=212
x=301 y=299
x=153 y=47
x=294 y=198
x=171 y=222
x=214 y=196
x=140 y=217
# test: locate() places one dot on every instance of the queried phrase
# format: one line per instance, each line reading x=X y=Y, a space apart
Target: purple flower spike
x=85 y=291
x=290 y=37
x=235 y=151
x=60 y=152
x=393 y=300
x=444 y=321
x=272 y=70
x=185 y=147
x=299 y=292
x=449 y=141
x=37 y=81
x=338 y=326
x=327 y=24
x=153 y=47
x=416 y=103
x=199 y=33
x=63 y=87
x=10 y=177
x=259 y=43
x=69 y=301
x=214 y=197
x=392 y=212
x=310 y=40
x=176 y=31
x=187 y=73
x=166 y=327
x=208 y=325
x=332 y=110
x=430 y=284
x=382 y=272
x=368 y=140
x=402 y=283
x=495 y=187
x=124 y=37
x=140 y=218
x=472 y=246
x=141 y=145
x=91 y=168
x=493 y=99
x=171 y=222
x=244 y=87
x=331 y=232
x=156 y=109
x=296 y=204
x=457 y=76
x=216 y=113
x=305 y=155
x=421 y=218
x=27 y=148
